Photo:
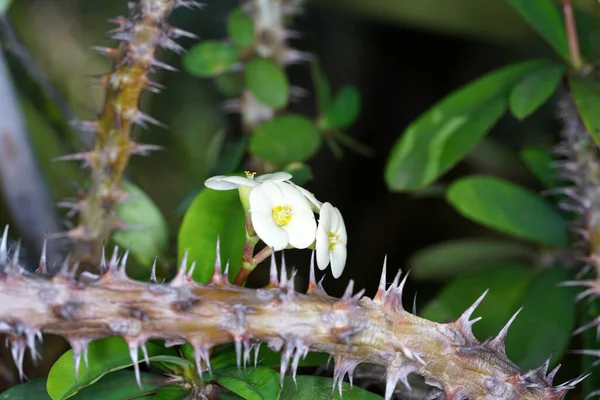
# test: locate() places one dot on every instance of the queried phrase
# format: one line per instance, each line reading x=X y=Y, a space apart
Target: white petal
x=338 y=260
x=223 y=182
x=322 y=247
x=275 y=177
x=264 y=197
x=292 y=196
x=327 y=216
x=316 y=203
x=301 y=229
x=341 y=227
x=268 y=231
x=217 y=183
x=302 y=226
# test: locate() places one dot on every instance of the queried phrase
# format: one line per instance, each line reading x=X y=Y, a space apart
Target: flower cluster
x=282 y=215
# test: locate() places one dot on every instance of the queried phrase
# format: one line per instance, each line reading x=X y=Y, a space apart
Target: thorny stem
x=580 y=167
x=571 y=30
x=141 y=35
x=353 y=330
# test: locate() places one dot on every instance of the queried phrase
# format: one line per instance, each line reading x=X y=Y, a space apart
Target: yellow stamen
x=249 y=175
x=334 y=238
x=282 y=214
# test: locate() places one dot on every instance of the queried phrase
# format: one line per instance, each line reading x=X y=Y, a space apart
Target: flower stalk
x=250 y=262
x=571 y=30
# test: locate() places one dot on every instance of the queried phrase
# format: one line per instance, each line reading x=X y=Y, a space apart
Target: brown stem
x=571 y=29
x=247 y=266
x=262 y=255
x=250 y=263
x=141 y=35
x=242 y=275
x=353 y=329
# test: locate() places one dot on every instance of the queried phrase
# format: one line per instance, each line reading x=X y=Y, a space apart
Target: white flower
x=281 y=215
x=331 y=240
x=223 y=182
x=315 y=204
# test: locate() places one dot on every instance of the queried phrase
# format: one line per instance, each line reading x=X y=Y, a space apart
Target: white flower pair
x=282 y=216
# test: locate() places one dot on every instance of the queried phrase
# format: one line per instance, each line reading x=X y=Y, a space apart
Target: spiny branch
x=353 y=329
x=580 y=165
x=145 y=31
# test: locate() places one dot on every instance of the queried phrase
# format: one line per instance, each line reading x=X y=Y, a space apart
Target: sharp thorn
x=3 y=246
x=42 y=267
x=273 y=279
x=133 y=353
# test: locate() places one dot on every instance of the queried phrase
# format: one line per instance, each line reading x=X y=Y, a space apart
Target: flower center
x=249 y=175
x=334 y=238
x=282 y=214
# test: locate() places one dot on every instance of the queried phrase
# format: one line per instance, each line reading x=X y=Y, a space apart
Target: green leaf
x=507 y=285
x=121 y=385
x=587 y=31
x=344 y=110
x=226 y=357
x=256 y=384
x=240 y=28
x=34 y=389
x=321 y=86
x=285 y=139
x=319 y=388
x=508 y=208
x=444 y=134
x=586 y=93
x=172 y=364
x=211 y=214
x=150 y=239
x=301 y=173
x=545 y=17
x=546 y=322
x=267 y=81
x=210 y=58
x=231 y=84
x=172 y=393
x=534 y=90
x=539 y=162
x=454 y=257
x=104 y=356
x=268 y=357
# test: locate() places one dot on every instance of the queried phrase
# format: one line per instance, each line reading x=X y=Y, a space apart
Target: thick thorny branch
x=354 y=329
